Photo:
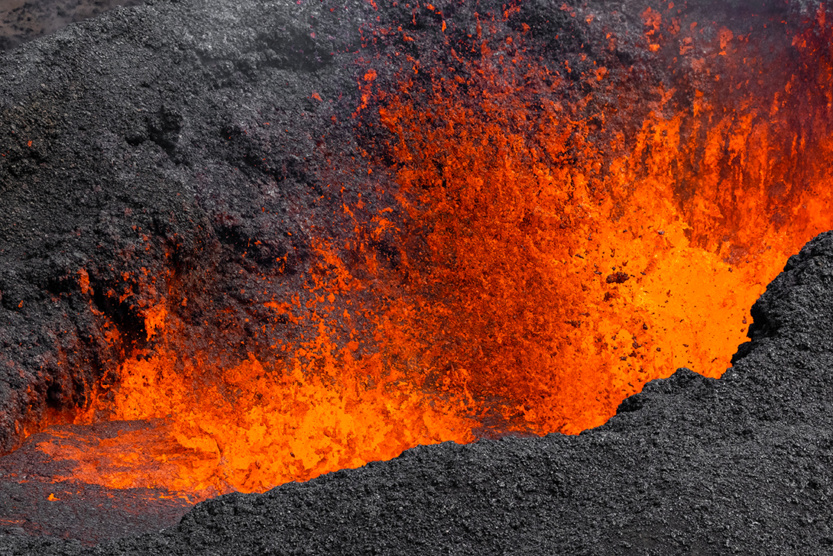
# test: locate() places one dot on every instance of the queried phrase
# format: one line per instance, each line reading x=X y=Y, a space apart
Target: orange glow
x=553 y=254
x=564 y=264
x=251 y=428
x=84 y=281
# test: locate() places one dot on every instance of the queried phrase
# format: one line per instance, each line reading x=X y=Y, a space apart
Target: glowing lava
x=558 y=241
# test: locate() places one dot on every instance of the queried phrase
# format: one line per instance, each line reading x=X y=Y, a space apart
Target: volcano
x=392 y=277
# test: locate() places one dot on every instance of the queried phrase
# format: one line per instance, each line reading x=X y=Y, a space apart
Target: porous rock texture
x=25 y=20
x=161 y=156
x=691 y=465
x=152 y=172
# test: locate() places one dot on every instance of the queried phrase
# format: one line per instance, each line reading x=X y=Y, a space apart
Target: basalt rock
x=149 y=155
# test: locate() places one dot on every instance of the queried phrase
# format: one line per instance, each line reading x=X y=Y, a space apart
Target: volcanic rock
x=691 y=465
x=133 y=169
x=22 y=20
x=149 y=155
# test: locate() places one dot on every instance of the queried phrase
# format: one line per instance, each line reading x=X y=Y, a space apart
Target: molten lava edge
x=550 y=243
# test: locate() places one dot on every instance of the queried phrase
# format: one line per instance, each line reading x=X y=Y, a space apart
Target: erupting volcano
x=393 y=224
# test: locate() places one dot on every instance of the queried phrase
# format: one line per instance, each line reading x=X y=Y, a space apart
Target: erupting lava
x=564 y=232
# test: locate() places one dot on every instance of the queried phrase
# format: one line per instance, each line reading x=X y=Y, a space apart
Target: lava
x=561 y=234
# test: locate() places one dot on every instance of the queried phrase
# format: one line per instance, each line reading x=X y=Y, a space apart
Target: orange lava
x=559 y=263
x=550 y=261
x=250 y=427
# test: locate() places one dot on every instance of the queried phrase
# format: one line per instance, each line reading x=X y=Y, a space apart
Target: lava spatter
x=559 y=233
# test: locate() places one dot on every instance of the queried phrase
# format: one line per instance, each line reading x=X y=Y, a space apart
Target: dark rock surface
x=151 y=157
x=690 y=466
x=25 y=20
x=170 y=155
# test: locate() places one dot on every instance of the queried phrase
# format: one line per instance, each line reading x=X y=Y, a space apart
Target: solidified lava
x=22 y=21
x=335 y=233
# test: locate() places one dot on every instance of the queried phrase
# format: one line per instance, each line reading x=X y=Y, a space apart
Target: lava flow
x=563 y=231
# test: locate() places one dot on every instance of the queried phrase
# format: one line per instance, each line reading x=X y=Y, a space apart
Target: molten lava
x=560 y=237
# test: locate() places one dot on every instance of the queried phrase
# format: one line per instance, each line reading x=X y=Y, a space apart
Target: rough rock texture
x=147 y=151
x=689 y=466
x=22 y=20
x=153 y=158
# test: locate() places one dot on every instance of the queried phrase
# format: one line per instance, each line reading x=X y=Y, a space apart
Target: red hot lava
x=563 y=232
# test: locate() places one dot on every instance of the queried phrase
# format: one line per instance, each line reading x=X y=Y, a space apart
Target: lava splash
x=545 y=228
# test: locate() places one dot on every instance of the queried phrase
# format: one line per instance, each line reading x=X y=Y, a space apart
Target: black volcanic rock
x=150 y=156
x=25 y=20
x=691 y=465
x=169 y=154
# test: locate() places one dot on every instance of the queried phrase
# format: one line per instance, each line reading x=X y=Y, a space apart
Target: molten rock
x=252 y=243
x=690 y=465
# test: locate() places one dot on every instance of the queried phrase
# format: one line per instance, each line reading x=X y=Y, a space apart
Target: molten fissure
x=558 y=240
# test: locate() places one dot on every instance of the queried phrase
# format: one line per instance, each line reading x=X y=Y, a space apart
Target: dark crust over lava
x=147 y=141
x=170 y=153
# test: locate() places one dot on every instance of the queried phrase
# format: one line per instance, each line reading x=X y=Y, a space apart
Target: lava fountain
x=557 y=224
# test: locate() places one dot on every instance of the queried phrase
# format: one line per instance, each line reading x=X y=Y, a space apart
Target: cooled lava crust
x=134 y=147
x=22 y=21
